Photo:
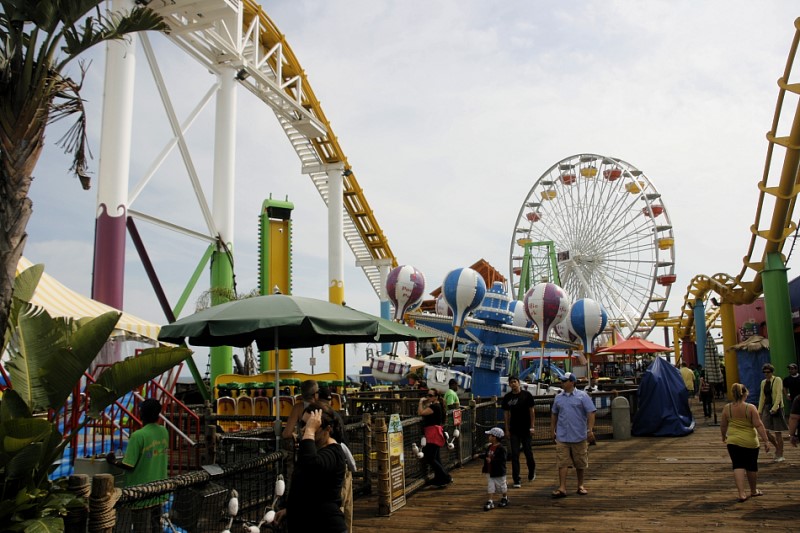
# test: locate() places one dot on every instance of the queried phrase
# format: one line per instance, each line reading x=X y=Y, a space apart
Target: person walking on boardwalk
x=706 y=396
x=519 y=417
x=794 y=422
x=740 y=428
x=431 y=410
x=770 y=407
x=791 y=384
x=494 y=466
x=572 y=425
x=688 y=379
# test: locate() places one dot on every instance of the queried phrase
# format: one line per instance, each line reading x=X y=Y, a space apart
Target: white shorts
x=496 y=485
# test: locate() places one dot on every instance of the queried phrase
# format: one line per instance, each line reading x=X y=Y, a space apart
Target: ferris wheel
x=597 y=226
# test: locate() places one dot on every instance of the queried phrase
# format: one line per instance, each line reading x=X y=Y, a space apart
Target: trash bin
x=621 y=418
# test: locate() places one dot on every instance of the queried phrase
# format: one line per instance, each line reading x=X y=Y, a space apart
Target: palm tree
x=39 y=39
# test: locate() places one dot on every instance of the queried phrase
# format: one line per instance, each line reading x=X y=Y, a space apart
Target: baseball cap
x=497 y=432
x=569 y=376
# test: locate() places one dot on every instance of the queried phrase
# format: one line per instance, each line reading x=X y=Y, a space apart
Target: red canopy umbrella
x=634 y=346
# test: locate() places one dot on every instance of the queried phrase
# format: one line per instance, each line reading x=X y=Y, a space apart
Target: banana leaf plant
x=47 y=358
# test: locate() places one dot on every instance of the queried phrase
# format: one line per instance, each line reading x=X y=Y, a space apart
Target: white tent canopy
x=58 y=300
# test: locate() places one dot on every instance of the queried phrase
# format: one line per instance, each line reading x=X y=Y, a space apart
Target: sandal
x=741 y=500
x=756 y=494
x=559 y=494
x=582 y=491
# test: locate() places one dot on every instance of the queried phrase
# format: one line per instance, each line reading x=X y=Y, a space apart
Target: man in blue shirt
x=572 y=425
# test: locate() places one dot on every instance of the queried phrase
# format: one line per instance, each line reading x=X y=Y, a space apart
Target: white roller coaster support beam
x=335 y=258
x=114 y=167
x=214 y=33
x=225 y=156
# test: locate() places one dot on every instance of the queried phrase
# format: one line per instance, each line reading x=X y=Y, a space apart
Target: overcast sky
x=449 y=112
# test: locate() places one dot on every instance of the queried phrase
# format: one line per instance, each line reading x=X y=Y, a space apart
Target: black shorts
x=746 y=458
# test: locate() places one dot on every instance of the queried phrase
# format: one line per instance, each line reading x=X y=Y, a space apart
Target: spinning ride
x=599 y=226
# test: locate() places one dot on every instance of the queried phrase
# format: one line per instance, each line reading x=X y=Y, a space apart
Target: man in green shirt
x=451 y=396
x=146 y=460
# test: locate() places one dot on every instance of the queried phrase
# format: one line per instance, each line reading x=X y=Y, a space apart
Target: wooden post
x=102 y=516
x=473 y=428
x=77 y=517
x=384 y=468
x=367 y=418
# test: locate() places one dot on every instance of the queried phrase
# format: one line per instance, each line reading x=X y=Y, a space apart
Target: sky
x=449 y=112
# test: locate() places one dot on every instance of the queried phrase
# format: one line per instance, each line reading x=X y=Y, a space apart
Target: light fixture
x=347 y=172
x=242 y=75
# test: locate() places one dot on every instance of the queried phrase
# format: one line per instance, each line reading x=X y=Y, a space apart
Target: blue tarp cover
x=663 y=403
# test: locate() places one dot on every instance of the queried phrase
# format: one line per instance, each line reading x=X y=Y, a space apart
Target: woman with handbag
x=431 y=409
x=770 y=408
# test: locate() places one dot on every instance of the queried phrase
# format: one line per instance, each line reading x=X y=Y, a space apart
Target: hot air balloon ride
x=546 y=304
x=405 y=287
x=587 y=319
x=463 y=290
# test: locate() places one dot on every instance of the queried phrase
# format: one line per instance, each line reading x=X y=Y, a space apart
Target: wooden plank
x=640 y=485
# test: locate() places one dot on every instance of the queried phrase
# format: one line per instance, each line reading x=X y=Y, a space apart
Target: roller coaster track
x=768 y=234
x=238 y=34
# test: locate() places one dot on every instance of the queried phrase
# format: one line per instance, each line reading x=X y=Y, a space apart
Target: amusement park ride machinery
x=240 y=45
x=631 y=276
x=577 y=224
x=763 y=270
x=597 y=226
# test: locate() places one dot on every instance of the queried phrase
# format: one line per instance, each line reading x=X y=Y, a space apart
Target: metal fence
x=196 y=502
x=249 y=462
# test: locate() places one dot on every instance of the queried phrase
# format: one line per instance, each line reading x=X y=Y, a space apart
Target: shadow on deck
x=640 y=485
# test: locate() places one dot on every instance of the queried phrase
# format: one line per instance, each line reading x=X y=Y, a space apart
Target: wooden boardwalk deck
x=638 y=485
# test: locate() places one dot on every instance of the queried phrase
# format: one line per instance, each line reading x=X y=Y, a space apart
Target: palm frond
x=68 y=102
x=51 y=354
x=95 y=30
x=24 y=287
x=12 y=406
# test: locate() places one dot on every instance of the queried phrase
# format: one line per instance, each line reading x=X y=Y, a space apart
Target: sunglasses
x=767 y=371
x=431 y=395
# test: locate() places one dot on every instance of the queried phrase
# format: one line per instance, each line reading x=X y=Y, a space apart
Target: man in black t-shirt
x=791 y=383
x=519 y=417
x=794 y=418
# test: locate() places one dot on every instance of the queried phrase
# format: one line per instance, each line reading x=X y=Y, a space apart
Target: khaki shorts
x=572 y=454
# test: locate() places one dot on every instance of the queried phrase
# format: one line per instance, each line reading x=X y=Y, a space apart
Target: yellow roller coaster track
x=370 y=243
x=237 y=35
x=735 y=290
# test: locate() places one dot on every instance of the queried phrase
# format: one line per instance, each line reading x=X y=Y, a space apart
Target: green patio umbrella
x=283 y=321
x=280 y=321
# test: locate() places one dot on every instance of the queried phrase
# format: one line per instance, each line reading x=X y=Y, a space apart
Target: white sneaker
x=779 y=459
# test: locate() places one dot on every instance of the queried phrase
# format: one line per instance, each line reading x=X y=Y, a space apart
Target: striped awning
x=58 y=300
